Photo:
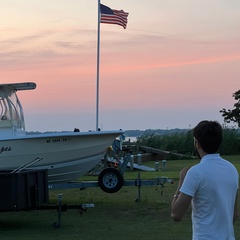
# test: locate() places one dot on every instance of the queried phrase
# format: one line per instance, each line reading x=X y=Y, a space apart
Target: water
x=131 y=139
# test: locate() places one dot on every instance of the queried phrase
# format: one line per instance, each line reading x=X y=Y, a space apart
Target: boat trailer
x=111 y=180
x=108 y=186
x=26 y=189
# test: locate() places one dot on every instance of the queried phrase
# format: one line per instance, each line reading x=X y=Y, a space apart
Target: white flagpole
x=98 y=50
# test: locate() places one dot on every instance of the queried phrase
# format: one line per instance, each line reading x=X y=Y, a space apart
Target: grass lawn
x=115 y=216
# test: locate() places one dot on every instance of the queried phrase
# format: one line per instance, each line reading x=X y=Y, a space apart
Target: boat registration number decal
x=5 y=149
x=55 y=140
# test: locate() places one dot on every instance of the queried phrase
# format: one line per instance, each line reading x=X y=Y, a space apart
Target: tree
x=234 y=114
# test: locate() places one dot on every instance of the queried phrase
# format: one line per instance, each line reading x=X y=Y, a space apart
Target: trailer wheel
x=110 y=180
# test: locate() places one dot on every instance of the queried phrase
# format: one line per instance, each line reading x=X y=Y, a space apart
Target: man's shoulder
x=195 y=169
x=229 y=164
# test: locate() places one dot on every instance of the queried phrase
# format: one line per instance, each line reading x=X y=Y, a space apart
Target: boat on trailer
x=66 y=155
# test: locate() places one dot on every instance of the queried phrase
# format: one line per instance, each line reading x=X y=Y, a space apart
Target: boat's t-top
x=11 y=111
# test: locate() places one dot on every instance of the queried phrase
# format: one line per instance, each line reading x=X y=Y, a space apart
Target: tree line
x=181 y=140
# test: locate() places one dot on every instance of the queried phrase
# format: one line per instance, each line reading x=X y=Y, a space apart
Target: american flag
x=112 y=16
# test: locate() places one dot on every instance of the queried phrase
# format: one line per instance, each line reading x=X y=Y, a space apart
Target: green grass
x=115 y=216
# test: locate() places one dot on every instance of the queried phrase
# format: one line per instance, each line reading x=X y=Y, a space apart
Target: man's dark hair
x=209 y=135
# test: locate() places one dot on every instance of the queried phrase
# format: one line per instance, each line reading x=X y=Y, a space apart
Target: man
x=210 y=187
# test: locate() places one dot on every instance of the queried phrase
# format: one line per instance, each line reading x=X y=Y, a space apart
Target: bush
x=231 y=141
x=182 y=141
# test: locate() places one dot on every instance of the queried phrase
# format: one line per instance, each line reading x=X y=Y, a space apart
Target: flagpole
x=97 y=83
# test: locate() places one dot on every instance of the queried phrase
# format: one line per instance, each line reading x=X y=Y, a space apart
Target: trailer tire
x=110 y=180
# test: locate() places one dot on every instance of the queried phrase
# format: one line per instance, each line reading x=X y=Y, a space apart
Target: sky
x=176 y=63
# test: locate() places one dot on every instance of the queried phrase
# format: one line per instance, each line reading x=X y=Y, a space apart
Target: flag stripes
x=112 y=16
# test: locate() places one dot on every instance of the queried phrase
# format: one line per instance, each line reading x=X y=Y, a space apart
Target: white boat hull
x=67 y=156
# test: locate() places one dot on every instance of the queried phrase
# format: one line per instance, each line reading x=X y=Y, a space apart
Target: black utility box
x=24 y=190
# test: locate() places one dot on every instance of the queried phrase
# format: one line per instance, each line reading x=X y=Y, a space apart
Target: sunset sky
x=176 y=63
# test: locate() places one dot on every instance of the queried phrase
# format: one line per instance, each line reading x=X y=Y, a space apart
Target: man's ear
x=195 y=143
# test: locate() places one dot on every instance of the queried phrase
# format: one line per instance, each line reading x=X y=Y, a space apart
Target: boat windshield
x=10 y=107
